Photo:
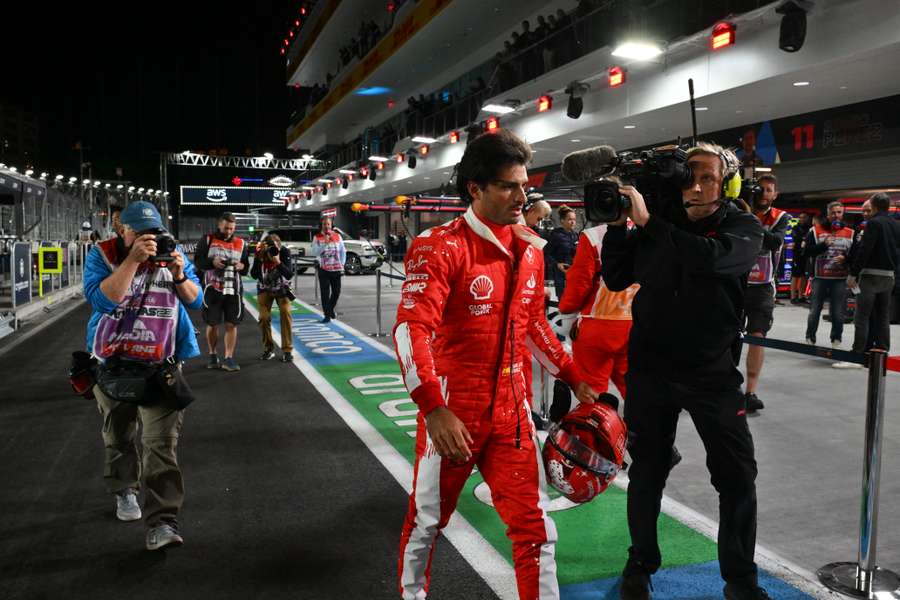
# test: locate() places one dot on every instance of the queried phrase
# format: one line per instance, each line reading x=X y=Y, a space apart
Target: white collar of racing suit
x=521 y=231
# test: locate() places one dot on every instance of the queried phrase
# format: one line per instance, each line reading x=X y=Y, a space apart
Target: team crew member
x=561 y=248
x=829 y=245
x=600 y=336
x=798 y=274
x=471 y=303
x=690 y=261
x=536 y=209
x=759 y=299
x=272 y=269
x=122 y=286
x=224 y=258
x=873 y=267
x=328 y=248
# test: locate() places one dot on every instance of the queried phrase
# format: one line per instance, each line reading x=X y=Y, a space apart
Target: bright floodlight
x=130 y=188
x=59 y=178
x=86 y=182
x=306 y=156
x=637 y=51
x=500 y=109
x=119 y=187
x=29 y=172
x=72 y=180
x=140 y=190
x=268 y=155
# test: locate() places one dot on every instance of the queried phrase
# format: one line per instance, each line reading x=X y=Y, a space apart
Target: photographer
x=140 y=321
x=759 y=297
x=328 y=248
x=272 y=269
x=224 y=258
x=690 y=258
x=828 y=244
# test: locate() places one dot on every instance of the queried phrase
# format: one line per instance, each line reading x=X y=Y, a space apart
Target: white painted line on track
x=483 y=557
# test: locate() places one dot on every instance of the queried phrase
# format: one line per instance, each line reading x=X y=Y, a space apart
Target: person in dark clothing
x=798 y=274
x=272 y=269
x=561 y=248
x=691 y=261
x=872 y=269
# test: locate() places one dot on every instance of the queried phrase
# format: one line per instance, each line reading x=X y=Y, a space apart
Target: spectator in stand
x=798 y=274
x=872 y=270
x=561 y=248
x=828 y=244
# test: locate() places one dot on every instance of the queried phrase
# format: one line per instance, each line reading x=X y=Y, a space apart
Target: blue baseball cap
x=141 y=216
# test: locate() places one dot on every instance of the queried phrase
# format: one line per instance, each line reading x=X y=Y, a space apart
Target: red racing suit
x=600 y=344
x=469 y=317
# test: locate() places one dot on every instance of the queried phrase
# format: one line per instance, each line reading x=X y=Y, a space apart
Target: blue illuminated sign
x=372 y=91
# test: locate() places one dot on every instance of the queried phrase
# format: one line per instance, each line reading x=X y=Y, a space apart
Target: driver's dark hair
x=486 y=156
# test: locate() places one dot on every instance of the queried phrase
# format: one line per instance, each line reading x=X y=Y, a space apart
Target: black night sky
x=129 y=80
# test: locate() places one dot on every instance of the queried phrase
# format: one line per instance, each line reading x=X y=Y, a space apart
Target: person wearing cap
x=139 y=316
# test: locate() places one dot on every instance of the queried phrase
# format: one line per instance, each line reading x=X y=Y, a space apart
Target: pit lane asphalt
x=282 y=499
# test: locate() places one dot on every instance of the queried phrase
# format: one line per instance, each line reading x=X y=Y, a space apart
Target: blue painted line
x=691 y=582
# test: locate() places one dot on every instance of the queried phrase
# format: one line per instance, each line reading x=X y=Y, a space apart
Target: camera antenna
x=693 y=112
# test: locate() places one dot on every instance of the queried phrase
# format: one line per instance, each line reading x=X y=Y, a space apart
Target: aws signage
x=195 y=195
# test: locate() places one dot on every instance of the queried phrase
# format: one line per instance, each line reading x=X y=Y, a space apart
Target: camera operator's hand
x=741 y=204
x=562 y=267
x=143 y=248
x=218 y=262
x=585 y=393
x=638 y=209
x=451 y=438
x=238 y=266
x=177 y=265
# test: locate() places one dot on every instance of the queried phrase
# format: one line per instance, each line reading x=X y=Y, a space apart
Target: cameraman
x=272 y=269
x=133 y=320
x=690 y=259
x=224 y=258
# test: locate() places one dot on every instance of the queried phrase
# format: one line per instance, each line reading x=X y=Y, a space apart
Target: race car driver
x=472 y=308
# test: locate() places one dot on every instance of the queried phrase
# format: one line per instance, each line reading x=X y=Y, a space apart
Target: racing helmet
x=585 y=451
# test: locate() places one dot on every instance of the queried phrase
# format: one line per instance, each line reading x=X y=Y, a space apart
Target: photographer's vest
x=827 y=265
x=143 y=326
x=763 y=272
x=271 y=280
x=228 y=250
x=329 y=253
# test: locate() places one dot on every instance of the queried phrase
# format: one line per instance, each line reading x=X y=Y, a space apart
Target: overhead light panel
x=377 y=158
x=500 y=109
x=722 y=35
x=635 y=50
x=424 y=139
x=347 y=171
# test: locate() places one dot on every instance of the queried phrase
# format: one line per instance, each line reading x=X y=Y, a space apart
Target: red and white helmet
x=585 y=451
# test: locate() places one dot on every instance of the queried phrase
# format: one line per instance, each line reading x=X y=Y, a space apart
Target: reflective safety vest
x=143 y=326
x=763 y=272
x=828 y=264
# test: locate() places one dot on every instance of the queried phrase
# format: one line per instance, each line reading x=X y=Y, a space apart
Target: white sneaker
x=846 y=365
x=836 y=344
x=164 y=534
x=810 y=342
x=127 y=507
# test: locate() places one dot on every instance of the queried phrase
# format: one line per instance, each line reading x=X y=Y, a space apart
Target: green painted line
x=593 y=537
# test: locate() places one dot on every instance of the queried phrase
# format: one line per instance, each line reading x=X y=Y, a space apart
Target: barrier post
x=863 y=579
x=378 y=303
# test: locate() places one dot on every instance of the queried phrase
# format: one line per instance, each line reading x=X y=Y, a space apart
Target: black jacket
x=880 y=245
x=561 y=245
x=688 y=313
x=284 y=268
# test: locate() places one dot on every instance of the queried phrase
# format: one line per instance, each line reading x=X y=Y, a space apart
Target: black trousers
x=651 y=413
x=330 y=288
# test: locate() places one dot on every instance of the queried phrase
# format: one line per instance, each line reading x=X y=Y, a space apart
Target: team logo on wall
x=482 y=287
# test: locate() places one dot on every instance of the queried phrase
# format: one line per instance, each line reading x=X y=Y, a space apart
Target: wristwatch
x=182 y=280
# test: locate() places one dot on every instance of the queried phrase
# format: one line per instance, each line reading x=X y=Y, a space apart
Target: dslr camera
x=659 y=174
x=165 y=245
x=751 y=191
x=271 y=249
